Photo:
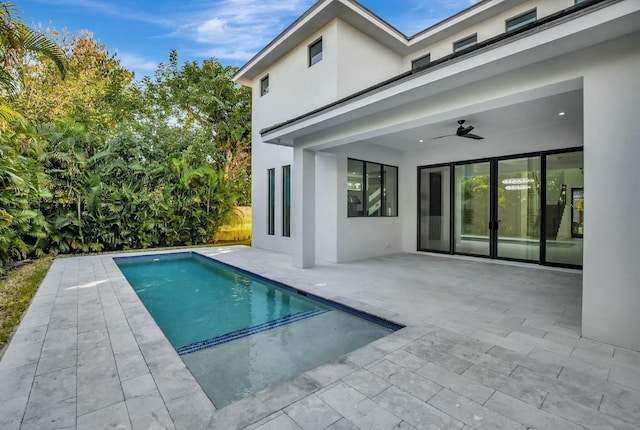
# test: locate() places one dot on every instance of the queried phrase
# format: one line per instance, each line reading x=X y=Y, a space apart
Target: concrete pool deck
x=487 y=345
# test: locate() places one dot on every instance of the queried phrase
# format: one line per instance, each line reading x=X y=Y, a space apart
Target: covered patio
x=487 y=345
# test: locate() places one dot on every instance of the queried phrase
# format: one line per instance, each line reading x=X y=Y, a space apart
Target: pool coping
x=263 y=403
x=87 y=354
x=134 y=346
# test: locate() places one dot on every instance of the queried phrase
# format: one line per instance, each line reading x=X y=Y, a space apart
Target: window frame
x=419 y=59
x=464 y=46
x=313 y=59
x=264 y=90
x=383 y=188
x=286 y=200
x=271 y=202
x=522 y=23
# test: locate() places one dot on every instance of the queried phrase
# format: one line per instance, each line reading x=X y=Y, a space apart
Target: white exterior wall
x=362 y=61
x=294 y=87
x=355 y=63
x=488 y=29
x=611 y=285
x=605 y=75
x=363 y=237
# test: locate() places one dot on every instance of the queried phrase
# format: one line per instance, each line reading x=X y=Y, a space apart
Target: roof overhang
x=604 y=21
x=361 y=18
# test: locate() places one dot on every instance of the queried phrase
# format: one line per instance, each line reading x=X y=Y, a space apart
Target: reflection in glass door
x=472 y=208
x=525 y=208
x=517 y=203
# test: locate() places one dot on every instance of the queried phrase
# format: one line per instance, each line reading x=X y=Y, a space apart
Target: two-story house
x=483 y=135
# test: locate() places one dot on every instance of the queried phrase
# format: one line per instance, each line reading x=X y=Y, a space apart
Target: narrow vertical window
x=465 y=43
x=286 y=201
x=271 y=215
x=521 y=20
x=264 y=85
x=315 y=52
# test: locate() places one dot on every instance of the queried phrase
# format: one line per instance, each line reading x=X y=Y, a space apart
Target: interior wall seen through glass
x=518 y=208
x=374 y=189
x=355 y=188
x=565 y=208
x=390 y=195
x=435 y=208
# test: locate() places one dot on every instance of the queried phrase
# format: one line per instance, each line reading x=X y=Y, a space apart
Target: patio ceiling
x=525 y=117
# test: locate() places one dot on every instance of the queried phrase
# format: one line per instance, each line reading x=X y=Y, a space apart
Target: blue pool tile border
x=393 y=326
x=330 y=303
x=245 y=332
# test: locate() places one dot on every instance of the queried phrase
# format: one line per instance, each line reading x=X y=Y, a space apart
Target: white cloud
x=237 y=29
x=136 y=62
x=212 y=28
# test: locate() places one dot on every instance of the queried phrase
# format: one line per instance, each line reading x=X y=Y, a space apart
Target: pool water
x=239 y=333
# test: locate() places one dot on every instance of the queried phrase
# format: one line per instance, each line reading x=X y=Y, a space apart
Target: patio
x=487 y=345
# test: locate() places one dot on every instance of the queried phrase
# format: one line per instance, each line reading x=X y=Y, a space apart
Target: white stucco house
x=482 y=135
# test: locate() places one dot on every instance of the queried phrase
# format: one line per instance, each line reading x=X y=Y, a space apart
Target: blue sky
x=143 y=32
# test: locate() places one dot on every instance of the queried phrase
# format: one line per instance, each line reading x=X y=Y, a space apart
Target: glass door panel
x=435 y=209
x=518 y=209
x=565 y=208
x=472 y=208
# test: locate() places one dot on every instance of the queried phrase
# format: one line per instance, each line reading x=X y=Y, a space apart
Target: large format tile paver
x=486 y=346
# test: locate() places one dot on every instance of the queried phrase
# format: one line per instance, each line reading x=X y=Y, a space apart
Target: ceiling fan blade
x=473 y=136
x=440 y=137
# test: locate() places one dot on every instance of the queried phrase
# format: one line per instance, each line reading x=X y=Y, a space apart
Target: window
x=465 y=43
x=271 y=213
x=521 y=20
x=264 y=85
x=315 y=52
x=421 y=62
x=580 y=1
x=372 y=189
x=286 y=201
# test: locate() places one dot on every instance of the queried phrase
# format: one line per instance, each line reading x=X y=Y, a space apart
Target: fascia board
x=578 y=33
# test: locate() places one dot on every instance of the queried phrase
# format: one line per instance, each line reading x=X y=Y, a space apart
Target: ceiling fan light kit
x=462 y=131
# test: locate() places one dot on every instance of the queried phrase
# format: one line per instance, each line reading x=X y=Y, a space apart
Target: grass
x=16 y=292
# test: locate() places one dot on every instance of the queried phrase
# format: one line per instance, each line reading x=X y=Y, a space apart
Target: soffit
x=576 y=33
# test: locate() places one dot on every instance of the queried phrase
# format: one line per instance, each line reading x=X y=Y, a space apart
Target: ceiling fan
x=462 y=131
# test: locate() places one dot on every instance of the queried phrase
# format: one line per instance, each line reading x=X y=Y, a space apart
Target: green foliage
x=112 y=164
x=16 y=42
x=16 y=292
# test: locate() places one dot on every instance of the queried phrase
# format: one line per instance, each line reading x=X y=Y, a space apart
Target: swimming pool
x=237 y=332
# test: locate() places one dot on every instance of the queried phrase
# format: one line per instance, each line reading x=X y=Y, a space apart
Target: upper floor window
x=465 y=43
x=315 y=52
x=521 y=20
x=421 y=62
x=372 y=189
x=580 y=1
x=264 y=85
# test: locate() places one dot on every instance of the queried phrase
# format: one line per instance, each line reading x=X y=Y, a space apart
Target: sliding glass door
x=472 y=208
x=435 y=209
x=524 y=208
x=518 y=208
x=565 y=208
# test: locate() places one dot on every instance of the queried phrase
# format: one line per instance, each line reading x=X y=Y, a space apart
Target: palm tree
x=16 y=41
